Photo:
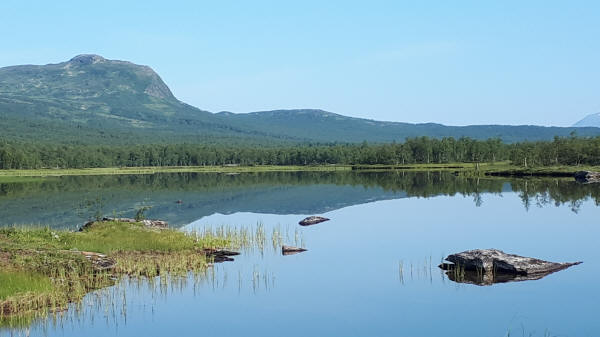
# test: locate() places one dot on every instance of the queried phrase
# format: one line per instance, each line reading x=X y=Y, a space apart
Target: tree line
x=422 y=150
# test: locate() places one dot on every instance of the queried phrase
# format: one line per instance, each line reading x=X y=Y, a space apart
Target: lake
x=369 y=271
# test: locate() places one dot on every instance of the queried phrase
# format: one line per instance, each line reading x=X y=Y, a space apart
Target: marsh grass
x=178 y=264
x=106 y=238
x=249 y=238
x=45 y=270
x=419 y=270
x=21 y=282
x=44 y=282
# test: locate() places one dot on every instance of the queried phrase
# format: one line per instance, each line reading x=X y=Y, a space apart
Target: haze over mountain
x=92 y=100
x=592 y=120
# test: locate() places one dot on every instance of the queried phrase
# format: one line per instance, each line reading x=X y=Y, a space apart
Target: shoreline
x=501 y=169
x=167 y=169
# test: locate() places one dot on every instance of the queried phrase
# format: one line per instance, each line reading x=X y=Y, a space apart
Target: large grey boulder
x=494 y=260
x=488 y=266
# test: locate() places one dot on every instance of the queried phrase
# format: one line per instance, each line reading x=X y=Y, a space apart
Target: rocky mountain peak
x=85 y=59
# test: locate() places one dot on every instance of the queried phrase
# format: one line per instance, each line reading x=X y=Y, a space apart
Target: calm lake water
x=370 y=271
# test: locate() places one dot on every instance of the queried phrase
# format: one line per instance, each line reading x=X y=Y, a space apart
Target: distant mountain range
x=592 y=120
x=92 y=100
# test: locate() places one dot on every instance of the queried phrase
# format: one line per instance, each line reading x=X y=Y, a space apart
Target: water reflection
x=110 y=307
x=490 y=278
x=181 y=198
x=372 y=263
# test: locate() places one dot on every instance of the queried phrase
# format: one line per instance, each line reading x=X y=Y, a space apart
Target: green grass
x=114 y=236
x=108 y=237
x=18 y=282
x=4 y=174
x=14 y=175
x=44 y=270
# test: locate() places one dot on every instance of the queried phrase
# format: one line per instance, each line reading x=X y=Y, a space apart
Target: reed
x=45 y=270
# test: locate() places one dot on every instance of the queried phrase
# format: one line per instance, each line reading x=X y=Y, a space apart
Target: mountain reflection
x=181 y=198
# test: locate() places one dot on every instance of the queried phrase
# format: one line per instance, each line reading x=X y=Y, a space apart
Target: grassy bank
x=44 y=270
x=492 y=169
x=496 y=168
x=5 y=174
x=542 y=171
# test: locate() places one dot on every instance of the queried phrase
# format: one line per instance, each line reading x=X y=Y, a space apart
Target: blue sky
x=452 y=62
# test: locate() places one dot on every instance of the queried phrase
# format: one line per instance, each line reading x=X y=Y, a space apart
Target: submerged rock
x=312 y=220
x=290 y=250
x=488 y=266
x=220 y=255
x=587 y=177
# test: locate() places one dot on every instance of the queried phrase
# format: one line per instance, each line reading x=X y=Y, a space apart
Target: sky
x=450 y=62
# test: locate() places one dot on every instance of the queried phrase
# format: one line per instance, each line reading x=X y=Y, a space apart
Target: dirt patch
x=4 y=260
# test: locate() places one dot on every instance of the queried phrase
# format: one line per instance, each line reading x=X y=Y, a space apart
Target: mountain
x=93 y=100
x=592 y=120
x=323 y=126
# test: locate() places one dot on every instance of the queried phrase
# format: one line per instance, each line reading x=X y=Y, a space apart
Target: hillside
x=592 y=120
x=323 y=126
x=92 y=100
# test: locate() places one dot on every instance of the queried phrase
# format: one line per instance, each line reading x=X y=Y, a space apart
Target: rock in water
x=312 y=220
x=220 y=255
x=587 y=177
x=497 y=261
x=289 y=250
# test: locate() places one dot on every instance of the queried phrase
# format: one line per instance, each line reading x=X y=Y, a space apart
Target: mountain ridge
x=91 y=99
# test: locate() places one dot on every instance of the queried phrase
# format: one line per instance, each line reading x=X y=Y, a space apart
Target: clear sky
x=452 y=62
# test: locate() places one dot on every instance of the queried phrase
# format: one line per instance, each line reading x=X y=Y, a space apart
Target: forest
x=421 y=150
